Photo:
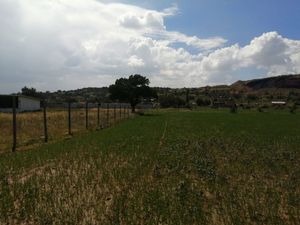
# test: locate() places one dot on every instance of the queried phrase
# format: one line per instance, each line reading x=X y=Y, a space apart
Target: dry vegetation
x=30 y=128
x=208 y=167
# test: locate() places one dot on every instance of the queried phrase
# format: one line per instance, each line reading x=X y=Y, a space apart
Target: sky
x=69 y=44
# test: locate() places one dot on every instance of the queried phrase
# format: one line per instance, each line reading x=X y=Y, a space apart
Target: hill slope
x=284 y=81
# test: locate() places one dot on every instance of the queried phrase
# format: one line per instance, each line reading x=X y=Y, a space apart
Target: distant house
x=23 y=103
x=278 y=103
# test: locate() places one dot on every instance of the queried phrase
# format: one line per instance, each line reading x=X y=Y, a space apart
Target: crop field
x=166 y=167
x=30 y=126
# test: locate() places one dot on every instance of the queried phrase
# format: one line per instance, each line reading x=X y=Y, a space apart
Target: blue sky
x=236 y=20
x=62 y=44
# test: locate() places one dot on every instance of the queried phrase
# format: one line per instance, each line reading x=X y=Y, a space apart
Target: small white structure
x=278 y=103
x=23 y=103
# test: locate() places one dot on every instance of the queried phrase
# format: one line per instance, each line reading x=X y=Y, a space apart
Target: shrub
x=203 y=102
x=233 y=108
x=260 y=109
x=140 y=112
x=293 y=108
x=167 y=101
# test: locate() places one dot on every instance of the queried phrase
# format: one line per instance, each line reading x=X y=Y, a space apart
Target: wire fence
x=57 y=121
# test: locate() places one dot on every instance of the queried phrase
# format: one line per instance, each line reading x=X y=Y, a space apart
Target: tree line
x=135 y=89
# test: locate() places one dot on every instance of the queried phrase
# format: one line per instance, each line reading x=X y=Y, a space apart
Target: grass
x=168 y=167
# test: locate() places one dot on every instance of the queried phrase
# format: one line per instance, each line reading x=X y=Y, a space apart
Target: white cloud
x=273 y=53
x=148 y=21
x=62 y=44
x=173 y=10
x=269 y=52
x=134 y=61
x=202 y=44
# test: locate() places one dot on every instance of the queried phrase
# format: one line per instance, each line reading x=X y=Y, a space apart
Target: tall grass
x=30 y=127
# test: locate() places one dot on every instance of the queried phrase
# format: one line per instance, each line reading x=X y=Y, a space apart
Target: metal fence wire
x=56 y=121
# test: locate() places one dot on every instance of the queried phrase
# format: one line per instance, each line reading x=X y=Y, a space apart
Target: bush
x=140 y=112
x=252 y=97
x=233 y=108
x=260 y=109
x=167 y=101
x=203 y=102
x=293 y=108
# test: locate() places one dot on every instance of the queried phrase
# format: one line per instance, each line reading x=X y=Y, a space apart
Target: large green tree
x=133 y=90
x=32 y=92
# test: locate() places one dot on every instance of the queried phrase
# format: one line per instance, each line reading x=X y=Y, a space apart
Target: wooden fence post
x=98 y=115
x=69 y=118
x=120 y=108
x=124 y=111
x=45 y=121
x=115 y=114
x=14 y=112
x=107 y=115
x=87 y=115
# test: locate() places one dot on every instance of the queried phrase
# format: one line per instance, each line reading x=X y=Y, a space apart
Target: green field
x=167 y=167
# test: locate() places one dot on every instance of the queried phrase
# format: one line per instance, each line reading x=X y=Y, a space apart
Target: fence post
x=120 y=107
x=45 y=121
x=69 y=118
x=115 y=114
x=124 y=111
x=98 y=114
x=107 y=115
x=14 y=123
x=87 y=115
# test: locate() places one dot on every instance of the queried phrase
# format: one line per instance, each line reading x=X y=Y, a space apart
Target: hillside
x=283 y=81
x=92 y=94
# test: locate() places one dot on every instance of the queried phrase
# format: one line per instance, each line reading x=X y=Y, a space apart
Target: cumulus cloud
x=147 y=20
x=150 y=20
x=64 y=44
x=134 y=61
x=269 y=52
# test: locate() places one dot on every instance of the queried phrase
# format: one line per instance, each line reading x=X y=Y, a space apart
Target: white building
x=23 y=103
x=278 y=103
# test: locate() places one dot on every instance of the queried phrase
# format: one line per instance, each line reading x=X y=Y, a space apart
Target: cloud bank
x=66 y=44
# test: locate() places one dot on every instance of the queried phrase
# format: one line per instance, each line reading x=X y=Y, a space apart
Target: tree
x=133 y=90
x=30 y=92
x=187 y=97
